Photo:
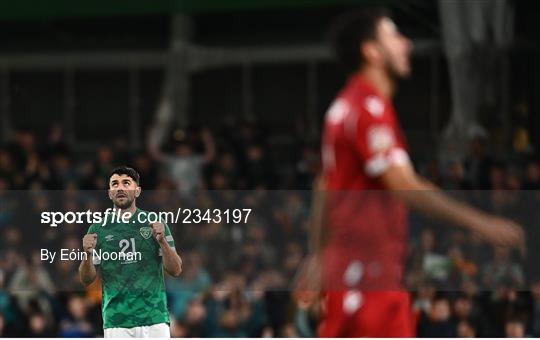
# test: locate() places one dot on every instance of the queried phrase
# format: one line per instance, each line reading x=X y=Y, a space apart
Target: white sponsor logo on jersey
x=380 y=138
x=338 y=111
x=352 y=301
x=374 y=105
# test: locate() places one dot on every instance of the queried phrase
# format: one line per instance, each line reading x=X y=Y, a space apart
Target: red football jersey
x=367 y=226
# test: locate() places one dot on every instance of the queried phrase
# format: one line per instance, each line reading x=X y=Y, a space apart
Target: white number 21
x=124 y=244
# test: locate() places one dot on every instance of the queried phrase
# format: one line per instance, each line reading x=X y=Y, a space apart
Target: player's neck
x=380 y=80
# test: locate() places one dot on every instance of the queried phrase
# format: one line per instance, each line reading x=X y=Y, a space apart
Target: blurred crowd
x=237 y=278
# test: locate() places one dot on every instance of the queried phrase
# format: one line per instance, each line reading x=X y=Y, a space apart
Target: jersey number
x=124 y=244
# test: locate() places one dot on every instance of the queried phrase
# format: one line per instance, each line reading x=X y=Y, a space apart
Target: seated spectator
x=462 y=308
x=178 y=330
x=465 y=329
x=29 y=282
x=2 y=326
x=515 y=328
x=456 y=178
x=194 y=317
x=437 y=323
x=535 y=322
x=76 y=323
x=38 y=327
x=230 y=313
x=194 y=281
x=532 y=176
x=502 y=269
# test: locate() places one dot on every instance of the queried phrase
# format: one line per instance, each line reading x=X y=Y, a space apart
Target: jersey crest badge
x=374 y=106
x=146 y=232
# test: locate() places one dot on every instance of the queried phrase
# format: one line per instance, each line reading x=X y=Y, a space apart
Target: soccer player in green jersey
x=134 y=302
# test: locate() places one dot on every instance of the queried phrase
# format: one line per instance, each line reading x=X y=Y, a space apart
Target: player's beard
x=393 y=71
x=391 y=68
x=125 y=203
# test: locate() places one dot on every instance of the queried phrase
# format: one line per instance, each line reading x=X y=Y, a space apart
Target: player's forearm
x=426 y=198
x=87 y=271
x=171 y=260
x=317 y=217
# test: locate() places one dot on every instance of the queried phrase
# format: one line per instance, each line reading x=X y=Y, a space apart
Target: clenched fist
x=501 y=232
x=158 y=230
x=89 y=242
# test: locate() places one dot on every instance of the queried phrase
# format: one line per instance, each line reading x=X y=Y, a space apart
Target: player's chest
x=134 y=238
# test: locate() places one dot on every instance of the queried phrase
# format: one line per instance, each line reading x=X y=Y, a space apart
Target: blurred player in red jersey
x=367 y=183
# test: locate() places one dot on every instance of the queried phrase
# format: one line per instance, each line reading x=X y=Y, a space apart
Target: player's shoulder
x=365 y=100
x=94 y=228
x=369 y=105
x=141 y=211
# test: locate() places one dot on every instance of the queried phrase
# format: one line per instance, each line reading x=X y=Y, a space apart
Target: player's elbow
x=177 y=270
x=87 y=281
x=401 y=178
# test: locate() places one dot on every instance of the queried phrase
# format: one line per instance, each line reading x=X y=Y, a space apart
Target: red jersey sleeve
x=377 y=137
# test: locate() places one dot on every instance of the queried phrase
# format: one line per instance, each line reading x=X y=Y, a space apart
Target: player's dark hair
x=349 y=31
x=126 y=170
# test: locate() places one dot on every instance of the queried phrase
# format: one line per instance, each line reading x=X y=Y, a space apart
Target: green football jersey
x=131 y=267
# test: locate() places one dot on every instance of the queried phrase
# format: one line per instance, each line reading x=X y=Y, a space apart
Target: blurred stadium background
x=86 y=86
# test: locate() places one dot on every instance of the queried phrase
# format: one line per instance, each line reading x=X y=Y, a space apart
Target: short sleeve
x=169 y=238
x=377 y=138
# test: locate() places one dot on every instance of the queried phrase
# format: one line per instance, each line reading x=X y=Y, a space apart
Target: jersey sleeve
x=169 y=238
x=93 y=230
x=377 y=138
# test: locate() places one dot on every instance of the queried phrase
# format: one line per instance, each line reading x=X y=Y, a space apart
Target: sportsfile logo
x=114 y=215
x=111 y=215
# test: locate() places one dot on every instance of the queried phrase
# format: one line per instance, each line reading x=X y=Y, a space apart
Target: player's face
x=395 y=49
x=123 y=190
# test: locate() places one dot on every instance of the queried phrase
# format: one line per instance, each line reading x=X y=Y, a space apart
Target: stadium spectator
x=437 y=322
x=515 y=328
x=76 y=324
x=185 y=165
x=194 y=282
x=194 y=318
x=535 y=317
x=456 y=179
x=532 y=176
x=465 y=329
x=38 y=327
x=31 y=282
x=478 y=163
x=502 y=269
x=257 y=168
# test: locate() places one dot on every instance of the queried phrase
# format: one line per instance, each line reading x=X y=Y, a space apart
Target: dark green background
x=42 y=9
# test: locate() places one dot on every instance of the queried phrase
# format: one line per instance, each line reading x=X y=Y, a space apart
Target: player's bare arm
x=171 y=260
x=87 y=270
x=307 y=283
x=316 y=221
x=421 y=195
